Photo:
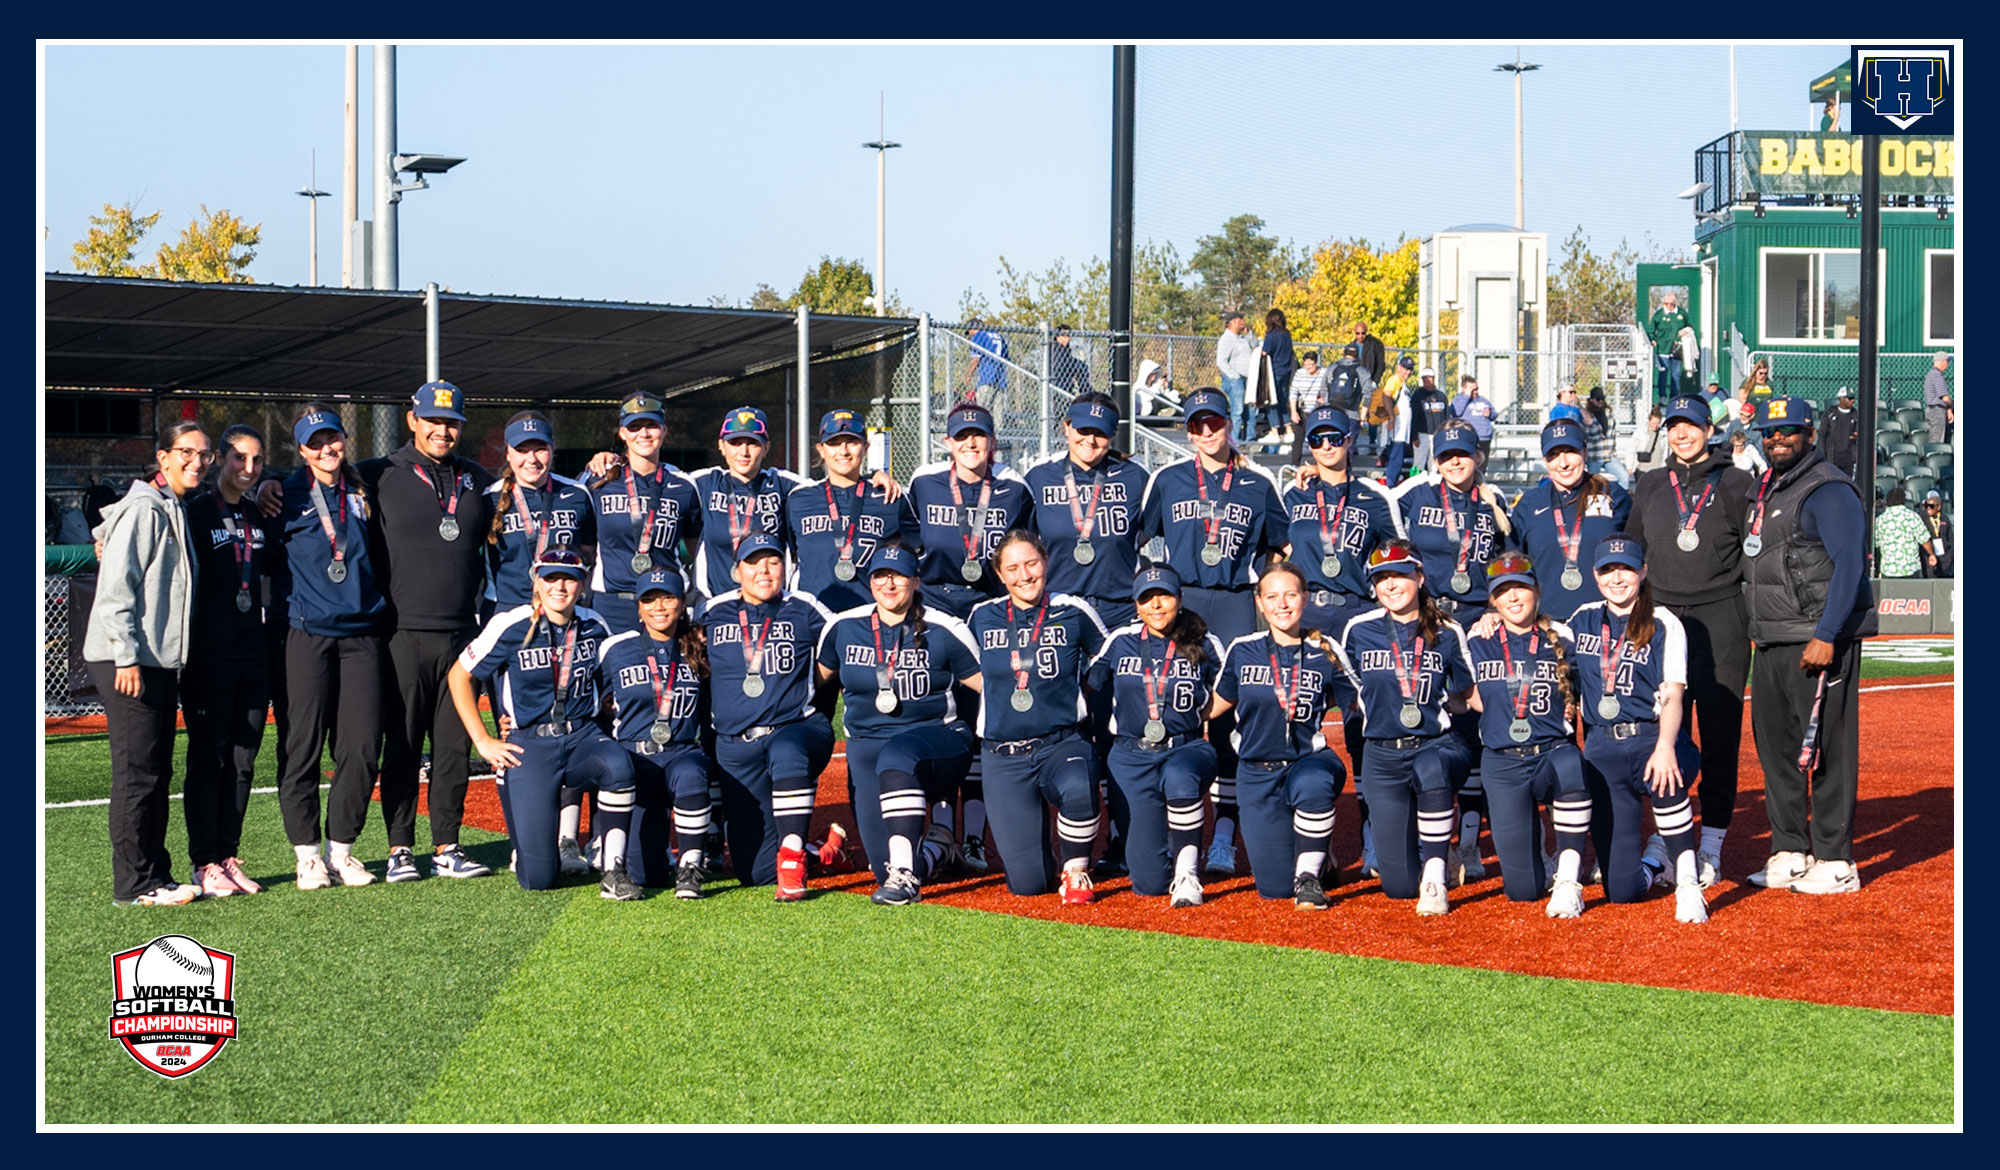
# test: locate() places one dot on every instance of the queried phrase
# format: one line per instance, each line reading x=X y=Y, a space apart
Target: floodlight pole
x=1124 y=74
x=383 y=274
x=881 y=146
x=313 y=195
x=1517 y=68
x=1867 y=355
x=802 y=419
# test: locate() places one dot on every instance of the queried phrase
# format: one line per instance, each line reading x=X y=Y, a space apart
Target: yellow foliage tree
x=112 y=242
x=208 y=251
x=1349 y=281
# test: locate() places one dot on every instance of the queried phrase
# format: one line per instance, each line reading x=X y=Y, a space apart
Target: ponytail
x=501 y=508
x=916 y=617
x=693 y=646
x=1187 y=633
x=1543 y=624
x=1430 y=616
x=1640 y=626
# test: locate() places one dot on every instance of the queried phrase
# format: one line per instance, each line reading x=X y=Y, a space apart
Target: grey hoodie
x=145 y=583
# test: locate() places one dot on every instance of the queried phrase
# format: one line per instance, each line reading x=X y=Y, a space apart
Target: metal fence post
x=802 y=416
x=1044 y=437
x=923 y=388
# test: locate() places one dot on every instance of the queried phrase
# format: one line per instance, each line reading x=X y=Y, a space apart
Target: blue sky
x=670 y=174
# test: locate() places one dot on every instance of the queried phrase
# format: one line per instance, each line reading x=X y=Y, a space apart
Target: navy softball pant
x=1287 y=809
x=1514 y=786
x=666 y=779
x=1399 y=783
x=768 y=786
x=532 y=792
x=1143 y=784
x=1060 y=772
x=1615 y=771
x=933 y=756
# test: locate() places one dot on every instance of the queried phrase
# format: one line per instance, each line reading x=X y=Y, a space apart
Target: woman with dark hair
x=1564 y=516
x=834 y=524
x=136 y=643
x=646 y=511
x=534 y=510
x=1278 y=351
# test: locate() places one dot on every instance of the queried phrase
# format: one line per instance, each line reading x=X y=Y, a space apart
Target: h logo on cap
x=441 y=398
x=1778 y=406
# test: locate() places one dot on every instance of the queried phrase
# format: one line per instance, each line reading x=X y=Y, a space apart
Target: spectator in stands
x=1308 y=395
x=1829 y=117
x=1374 y=358
x=1602 y=436
x=1939 y=413
x=1902 y=539
x=1428 y=412
x=1944 y=539
x=1478 y=411
x=1840 y=433
x=989 y=370
x=1151 y=395
x=1758 y=384
x=65 y=524
x=1397 y=419
x=1236 y=361
x=1648 y=448
x=1663 y=330
x=1278 y=349
x=1066 y=370
x=1745 y=454
x=1349 y=385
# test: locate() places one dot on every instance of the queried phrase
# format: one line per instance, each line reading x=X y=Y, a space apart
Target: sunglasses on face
x=1784 y=432
x=1319 y=439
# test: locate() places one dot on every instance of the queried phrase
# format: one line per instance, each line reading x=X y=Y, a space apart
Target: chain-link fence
x=1907 y=454
x=1820 y=376
x=66 y=686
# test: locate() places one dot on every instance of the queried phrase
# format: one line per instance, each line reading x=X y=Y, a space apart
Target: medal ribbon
x=1328 y=533
x=738 y=531
x=326 y=522
x=1688 y=518
x=1517 y=684
x=1034 y=639
x=966 y=530
x=457 y=482
x=833 y=514
x=753 y=660
x=239 y=538
x=1464 y=539
x=644 y=519
x=662 y=697
x=885 y=664
x=1757 y=511
x=559 y=672
x=1607 y=660
x=528 y=520
x=1085 y=520
x=1285 y=701
x=1212 y=523
x=1406 y=678
x=1166 y=664
x=1570 y=544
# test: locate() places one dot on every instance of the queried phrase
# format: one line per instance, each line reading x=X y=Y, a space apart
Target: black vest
x=1785 y=585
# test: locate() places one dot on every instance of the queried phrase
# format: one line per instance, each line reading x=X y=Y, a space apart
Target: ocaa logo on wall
x=1896 y=88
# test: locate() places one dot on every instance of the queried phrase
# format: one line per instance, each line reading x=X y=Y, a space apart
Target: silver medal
x=1519 y=731
x=885 y=701
x=1083 y=553
x=448 y=528
x=1023 y=699
x=1572 y=577
x=642 y=562
x=1607 y=707
x=844 y=569
x=753 y=685
x=1461 y=582
x=1155 y=731
x=1329 y=565
x=1410 y=716
x=242 y=602
x=336 y=571
x=970 y=570
x=662 y=731
x=1211 y=554
x=1752 y=545
x=1689 y=540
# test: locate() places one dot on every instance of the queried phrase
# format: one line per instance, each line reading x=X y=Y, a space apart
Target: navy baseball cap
x=969 y=416
x=532 y=429
x=641 y=407
x=1093 y=416
x=1510 y=568
x=1562 y=433
x=1352 y=348
x=312 y=423
x=559 y=562
x=757 y=542
x=1563 y=410
x=1206 y=400
x=841 y=422
x=1784 y=412
x=1619 y=549
x=1455 y=438
x=1157 y=577
x=1685 y=408
x=745 y=422
x=1394 y=556
x=1406 y=362
x=662 y=581
x=439 y=400
x=893 y=558
x=1329 y=418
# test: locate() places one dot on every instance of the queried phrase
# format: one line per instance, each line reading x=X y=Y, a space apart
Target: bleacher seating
x=1915 y=486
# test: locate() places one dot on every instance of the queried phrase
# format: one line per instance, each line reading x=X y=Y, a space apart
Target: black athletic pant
x=1718 y=637
x=225 y=700
x=416 y=704
x=333 y=685
x=142 y=766
x=1781 y=705
x=274 y=674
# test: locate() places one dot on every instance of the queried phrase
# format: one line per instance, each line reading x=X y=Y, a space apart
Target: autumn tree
x=1587 y=288
x=215 y=247
x=1350 y=281
x=1241 y=269
x=107 y=249
x=835 y=286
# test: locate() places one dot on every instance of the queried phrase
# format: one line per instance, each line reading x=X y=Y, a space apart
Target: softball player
x=1220 y=516
x=226 y=685
x=1632 y=666
x=1033 y=649
x=542 y=661
x=1159 y=673
x=646 y=510
x=657 y=678
x=534 y=510
x=906 y=743
x=1282 y=682
x=739 y=498
x=1525 y=693
x=771 y=743
x=963 y=508
x=1564 y=516
x=834 y=525
x=1412 y=671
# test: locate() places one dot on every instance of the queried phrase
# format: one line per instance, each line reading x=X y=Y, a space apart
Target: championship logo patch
x=1896 y=88
x=173 y=1003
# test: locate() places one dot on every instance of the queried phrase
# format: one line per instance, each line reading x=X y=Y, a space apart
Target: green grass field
x=477 y=1002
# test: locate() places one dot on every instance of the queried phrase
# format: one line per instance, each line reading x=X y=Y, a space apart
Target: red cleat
x=1076 y=888
x=791 y=874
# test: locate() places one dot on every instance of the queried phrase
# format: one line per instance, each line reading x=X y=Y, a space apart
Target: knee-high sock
x=691 y=823
x=1311 y=832
x=1433 y=825
x=902 y=815
x=792 y=814
x=611 y=817
x=1674 y=817
x=1077 y=837
x=1572 y=817
x=1184 y=835
x=1223 y=792
x=571 y=816
x=974 y=788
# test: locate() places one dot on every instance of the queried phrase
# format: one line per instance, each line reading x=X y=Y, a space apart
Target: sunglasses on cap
x=1509 y=563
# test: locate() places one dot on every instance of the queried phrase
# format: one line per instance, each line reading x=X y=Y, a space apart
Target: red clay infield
x=1890 y=946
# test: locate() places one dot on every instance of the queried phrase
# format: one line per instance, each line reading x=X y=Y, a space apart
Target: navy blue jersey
x=1353 y=517
x=923 y=671
x=667 y=496
x=321 y=605
x=1270 y=727
x=821 y=521
x=1135 y=670
x=1053 y=644
x=1237 y=509
x=1435 y=518
x=1637 y=672
x=1117 y=486
x=560 y=514
x=732 y=509
x=948 y=530
x=235 y=547
x=647 y=681
x=1380 y=648
x=541 y=672
x=1544 y=513
x=782 y=635
x=1519 y=676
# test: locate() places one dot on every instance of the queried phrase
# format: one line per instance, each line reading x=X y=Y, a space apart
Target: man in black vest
x=1840 y=433
x=1810 y=605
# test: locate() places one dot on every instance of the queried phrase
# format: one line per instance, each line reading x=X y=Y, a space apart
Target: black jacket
x=1066 y=370
x=1714 y=570
x=431 y=583
x=1840 y=437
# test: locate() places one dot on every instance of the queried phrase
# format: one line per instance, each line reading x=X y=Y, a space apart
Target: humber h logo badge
x=1895 y=89
x=441 y=398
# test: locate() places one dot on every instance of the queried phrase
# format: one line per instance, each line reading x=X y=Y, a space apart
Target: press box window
x=1940 y=297
x=1814 y=295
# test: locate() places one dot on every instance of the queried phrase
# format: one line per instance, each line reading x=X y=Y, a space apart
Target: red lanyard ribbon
x=1212 y=514
x=966 y=529
x=1451 y=531
x=1406 y=677
x=339 y=486
x=753 y=660
x=559 y=672
x=238 y=527
x=644 y=519
x=1085 y=520
x=448 y=508
x=1286 y=700
x=1034 y=639
x=885 y=664
x=1689 y=518
x=1757 y=512
x=1153 y=696
x=738 y=531
x=528 y=520
x=1517 y=685
x=1571 y=543
x=662 y=696
x=833 y=514
x=1607 y=660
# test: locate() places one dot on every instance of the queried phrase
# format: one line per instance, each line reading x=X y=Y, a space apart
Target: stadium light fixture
x=1517 y=68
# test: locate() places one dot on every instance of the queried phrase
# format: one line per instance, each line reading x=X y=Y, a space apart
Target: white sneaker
x=1221 y=861
x=1656 y=861
x=1186 y=891
x=1829 y=877
x=313 y=875
x=570 y=857
x=1431 y=899
x=1707 y=868
x=1689 y=904
x=1567 y=900
x=1782 y=870
x=348 y=871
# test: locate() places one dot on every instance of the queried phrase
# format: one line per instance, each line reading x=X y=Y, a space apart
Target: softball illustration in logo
x=173 y=1003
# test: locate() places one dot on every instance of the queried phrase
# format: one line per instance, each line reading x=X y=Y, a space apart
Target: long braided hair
x=506 y=502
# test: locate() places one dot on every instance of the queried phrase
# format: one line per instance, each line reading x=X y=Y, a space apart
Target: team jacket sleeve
x=483 y=657
x=1673 y=647
x=1341 y=689
x=1835 y=517
x=1457 y=659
